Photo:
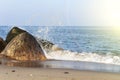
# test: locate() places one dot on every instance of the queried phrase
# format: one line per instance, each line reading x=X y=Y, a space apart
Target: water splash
x=43 y=32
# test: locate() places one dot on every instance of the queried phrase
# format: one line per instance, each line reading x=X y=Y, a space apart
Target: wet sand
x=23 y=73
x=57 y=70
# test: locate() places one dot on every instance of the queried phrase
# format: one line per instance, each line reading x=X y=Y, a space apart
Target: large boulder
x=24 y=47
x=13 y=33
x=2 y=44
x=47 y=45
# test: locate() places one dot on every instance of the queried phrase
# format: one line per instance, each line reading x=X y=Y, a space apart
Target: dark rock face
x=2 y=44
x=47 y=45
x=13 y=33
x=24 y=47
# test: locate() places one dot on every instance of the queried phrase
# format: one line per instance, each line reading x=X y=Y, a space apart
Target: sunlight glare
x=113 y=13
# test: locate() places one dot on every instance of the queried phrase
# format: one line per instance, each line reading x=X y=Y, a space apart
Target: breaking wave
x=90 y=57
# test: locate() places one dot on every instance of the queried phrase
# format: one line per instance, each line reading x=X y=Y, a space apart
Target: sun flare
x=115 y=30
x=112 y=13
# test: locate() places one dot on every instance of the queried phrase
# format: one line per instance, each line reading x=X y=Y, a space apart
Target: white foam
x=91 y=57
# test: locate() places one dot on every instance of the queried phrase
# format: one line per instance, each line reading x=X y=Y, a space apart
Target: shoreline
x=53 y=70
x=23 y=73
x=63 y=64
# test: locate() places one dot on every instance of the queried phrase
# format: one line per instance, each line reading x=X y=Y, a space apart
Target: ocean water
x=79 y=43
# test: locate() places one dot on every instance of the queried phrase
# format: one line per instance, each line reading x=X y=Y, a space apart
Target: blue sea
x=80 y=43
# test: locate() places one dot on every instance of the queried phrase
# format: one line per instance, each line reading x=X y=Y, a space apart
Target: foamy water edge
x=89 y=57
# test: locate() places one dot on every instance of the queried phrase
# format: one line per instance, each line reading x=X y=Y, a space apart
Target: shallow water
x=76 y=65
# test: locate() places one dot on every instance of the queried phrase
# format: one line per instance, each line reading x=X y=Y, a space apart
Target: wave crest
x=90 y=57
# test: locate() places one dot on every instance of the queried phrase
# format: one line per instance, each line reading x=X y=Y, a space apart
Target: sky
x=60 y=12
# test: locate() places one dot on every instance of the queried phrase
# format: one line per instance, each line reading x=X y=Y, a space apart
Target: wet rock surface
x=2 y=44
x=24 y=47
x=13 y=33
x=47 y=45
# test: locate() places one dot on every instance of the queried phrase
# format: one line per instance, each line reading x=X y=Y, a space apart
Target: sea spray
x=44 y=32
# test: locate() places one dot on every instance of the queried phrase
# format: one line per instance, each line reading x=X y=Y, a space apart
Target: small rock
x=47 y=45
x=66 y=72
x=13 y=70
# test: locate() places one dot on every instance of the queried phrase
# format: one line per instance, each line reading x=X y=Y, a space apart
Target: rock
x=13 y=70
x=24 y=47
x=66 y=72
x=13 y=33
x=2 y=44
x=47 y=45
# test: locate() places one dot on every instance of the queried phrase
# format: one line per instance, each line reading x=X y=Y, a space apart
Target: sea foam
x=90 y=57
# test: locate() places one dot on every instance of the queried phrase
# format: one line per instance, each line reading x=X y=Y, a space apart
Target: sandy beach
x=36 y=73
x=51 y=70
